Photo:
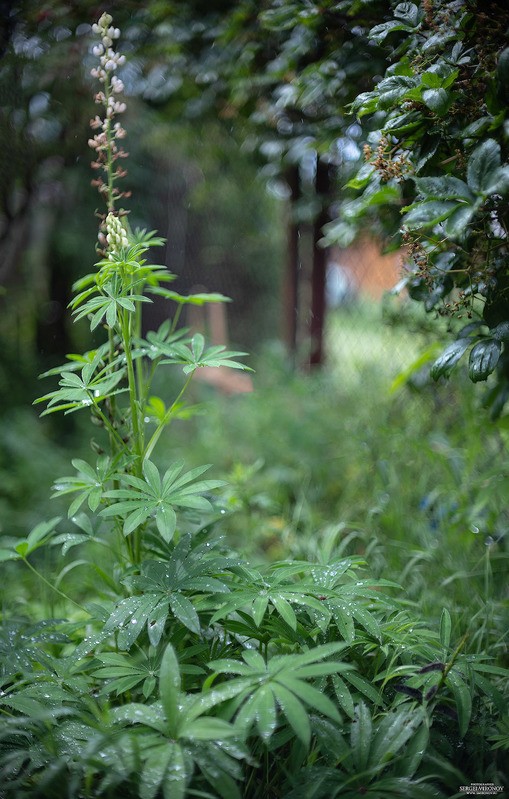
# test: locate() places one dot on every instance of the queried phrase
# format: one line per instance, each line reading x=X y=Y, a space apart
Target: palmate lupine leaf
x=125 y=672
x=107 y=306
x=131 y=615
x=280 y=684
x=190 y=299
x=88 y=484
x=327 y=593
x=185 y=736
x=159 y=343
x=162 y=586
x=321 y=782
x=76 y=361
x=41 y=534
x=77 y=392
x=196 y=356
x=158 y=497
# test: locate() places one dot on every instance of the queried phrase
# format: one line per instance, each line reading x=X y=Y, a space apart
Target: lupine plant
x=189 y=671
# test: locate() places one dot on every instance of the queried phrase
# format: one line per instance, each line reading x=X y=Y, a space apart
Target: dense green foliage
x=428 y=84
x=159 y=661
x=441 y=152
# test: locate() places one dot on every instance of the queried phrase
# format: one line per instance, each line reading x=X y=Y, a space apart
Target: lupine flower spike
x=105 y=144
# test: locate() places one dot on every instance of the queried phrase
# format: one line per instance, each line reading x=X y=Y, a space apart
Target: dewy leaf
x=360 y=736
x=445 y=628
x=438 y=100
x=393 y=732
x=169 y=689
x=294 y=712
x=484 y=358
x=166 y=521
x=380 y=32
x=462 y=698
x=501 y=331
x=408 y=12
x=414 y=752
x=152 y=476
x=449 y=358
x=457 y=222
x=198 y=345
x=444 y=187
x=266 y=718
x=343 y=695
x=428 y=214
x=185 y=612
x=483 y=166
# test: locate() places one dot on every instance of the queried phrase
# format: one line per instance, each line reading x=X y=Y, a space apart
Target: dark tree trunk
x=318 y=276
x=291 y=279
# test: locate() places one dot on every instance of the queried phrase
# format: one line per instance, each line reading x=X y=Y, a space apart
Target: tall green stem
x=165 y=420
x=131 y=381
x=53 y=588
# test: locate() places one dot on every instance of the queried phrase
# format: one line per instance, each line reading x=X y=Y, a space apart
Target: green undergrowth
x=416 y=480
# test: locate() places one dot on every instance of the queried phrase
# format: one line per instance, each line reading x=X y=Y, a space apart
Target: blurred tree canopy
x=405 y=103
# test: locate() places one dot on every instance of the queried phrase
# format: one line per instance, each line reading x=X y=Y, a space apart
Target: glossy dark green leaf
x=185 y=612
x=393 y=88
x=501 y=332
x=483 y=359
x=295 y=713
x=408 y=12
x=393 y=732
x=380 y=32
x=427 y=214
x=463 y=699
x=443 y=366
x=445 y=628
x=457 y=223
x=445 y=187
x=169 y=688
x=483 y=166
x=438 y=100
x=360 y=736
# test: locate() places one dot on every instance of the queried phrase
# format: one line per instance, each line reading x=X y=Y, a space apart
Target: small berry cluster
x=419 y=256
x=105 y=142
x=387 y=166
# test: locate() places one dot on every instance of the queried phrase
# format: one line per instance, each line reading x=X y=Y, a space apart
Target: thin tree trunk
x=291 y=279
x=318 y=276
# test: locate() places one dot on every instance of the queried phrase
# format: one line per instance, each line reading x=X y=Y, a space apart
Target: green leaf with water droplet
x=185 y=612
x=445 y=628
x=295 y=713
x=360 y=736
x=259 y=607
x=483 y=359
x=169 y=689
x=463 y=699
x=393 y=731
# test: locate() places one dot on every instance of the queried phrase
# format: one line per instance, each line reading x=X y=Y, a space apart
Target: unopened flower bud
x=116 y=235
x=105 y=21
